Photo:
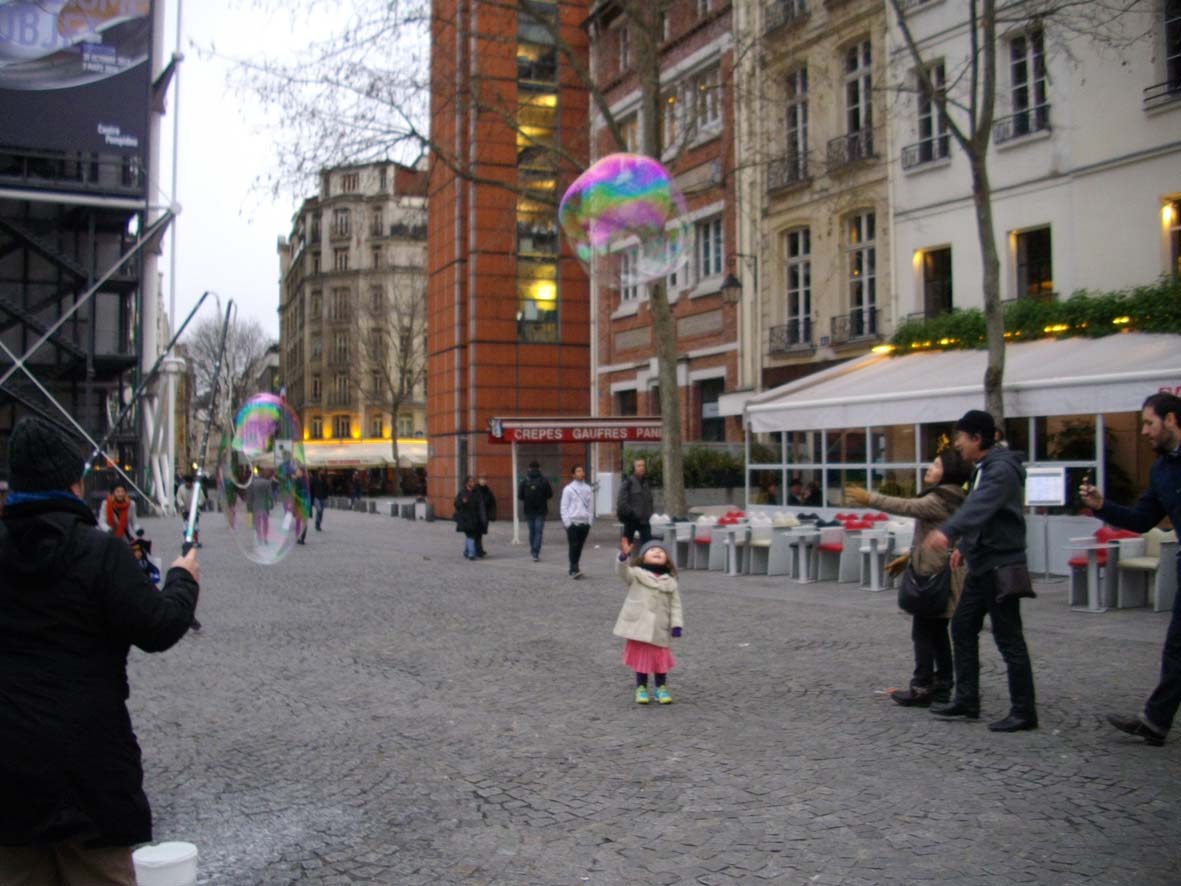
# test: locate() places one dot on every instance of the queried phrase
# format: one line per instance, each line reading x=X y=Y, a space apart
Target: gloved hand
x=676 y=632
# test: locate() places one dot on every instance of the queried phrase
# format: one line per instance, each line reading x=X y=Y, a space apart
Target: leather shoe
x=1136 y=726
x=912 y=698
x=1013 y=723
x=955 y=709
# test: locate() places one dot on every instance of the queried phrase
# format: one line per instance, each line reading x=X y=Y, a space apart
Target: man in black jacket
x=634 y=508
x=991 y=531
x=72 y=602
x=535 y=492
x=1161 y=424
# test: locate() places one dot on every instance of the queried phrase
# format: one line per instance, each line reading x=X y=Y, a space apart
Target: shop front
x=371 y=464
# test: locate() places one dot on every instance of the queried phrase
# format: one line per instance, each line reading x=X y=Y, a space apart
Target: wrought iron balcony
x=927 y=151
x=784 y=12
x=787 y=171
x=1162 y=93
x=795 y=335
x=845 y=150
x=857 y=326
x=1023 y=123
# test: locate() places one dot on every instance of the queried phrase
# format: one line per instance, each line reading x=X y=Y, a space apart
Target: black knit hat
x=978 y=423
x=41 y=458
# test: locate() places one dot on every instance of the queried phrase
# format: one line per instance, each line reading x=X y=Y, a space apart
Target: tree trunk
x=994 y=318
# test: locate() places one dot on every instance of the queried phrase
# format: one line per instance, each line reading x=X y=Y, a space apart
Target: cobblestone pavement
x=376 y=709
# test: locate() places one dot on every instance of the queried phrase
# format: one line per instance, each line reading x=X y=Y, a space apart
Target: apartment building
x=695 y=46
x=352 y=309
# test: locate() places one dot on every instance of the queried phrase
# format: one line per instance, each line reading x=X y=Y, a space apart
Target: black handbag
x=924 y=595
x=1013 y=581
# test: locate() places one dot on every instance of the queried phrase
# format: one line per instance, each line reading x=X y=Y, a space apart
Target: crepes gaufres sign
x=74 y=74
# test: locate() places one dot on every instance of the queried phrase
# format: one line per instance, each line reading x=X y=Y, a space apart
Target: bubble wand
x=191 y=521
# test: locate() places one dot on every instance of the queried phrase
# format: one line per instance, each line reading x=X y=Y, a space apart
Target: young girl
x=650 y=617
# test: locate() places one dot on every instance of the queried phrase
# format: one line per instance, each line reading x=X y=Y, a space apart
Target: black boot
x=956 y=709
x=941 y=692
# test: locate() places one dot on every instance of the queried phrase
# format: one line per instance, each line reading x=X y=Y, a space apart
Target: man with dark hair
x=535 y=492
x=634 y=507
x=72 y=602
x=1160 y=418
x=990 y=528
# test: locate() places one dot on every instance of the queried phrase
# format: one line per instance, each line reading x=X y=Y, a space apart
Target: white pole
x=516 y=505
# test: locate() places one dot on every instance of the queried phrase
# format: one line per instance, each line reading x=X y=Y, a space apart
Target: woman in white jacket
x=650 y=617
x=577 y=515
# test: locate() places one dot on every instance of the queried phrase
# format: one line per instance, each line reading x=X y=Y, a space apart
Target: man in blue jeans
x=1161 y=423
x=535 y=492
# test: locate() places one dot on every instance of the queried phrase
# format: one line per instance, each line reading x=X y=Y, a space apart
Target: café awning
x=364 y=453
x=1073 y=376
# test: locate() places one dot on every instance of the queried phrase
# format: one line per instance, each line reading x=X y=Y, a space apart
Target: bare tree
x=966 y=99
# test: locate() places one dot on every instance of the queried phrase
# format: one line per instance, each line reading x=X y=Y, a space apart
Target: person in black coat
x=470 y=515
x=72 y=602
x=489 y=513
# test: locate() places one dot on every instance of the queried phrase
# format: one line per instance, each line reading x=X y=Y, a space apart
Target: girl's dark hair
x=956 y=471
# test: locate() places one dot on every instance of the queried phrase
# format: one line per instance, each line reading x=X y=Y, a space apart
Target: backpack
x=535 y=496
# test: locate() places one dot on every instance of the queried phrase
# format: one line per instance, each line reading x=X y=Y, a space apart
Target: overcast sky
x=226 y=233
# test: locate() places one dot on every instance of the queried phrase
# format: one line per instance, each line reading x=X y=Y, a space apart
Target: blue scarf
x=20 y=498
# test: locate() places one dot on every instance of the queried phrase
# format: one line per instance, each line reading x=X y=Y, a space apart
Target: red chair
x=1102 y=534
x=879 y=518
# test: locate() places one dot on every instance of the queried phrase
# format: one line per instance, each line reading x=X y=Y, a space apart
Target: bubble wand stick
x=191 y=522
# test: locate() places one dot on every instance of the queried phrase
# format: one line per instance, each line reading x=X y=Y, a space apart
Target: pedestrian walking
x=469 y=515
x=577 y=510
x=319 y=493
x=355 y=491
x=534 y=493
x=259 y=500
x=489 y=512
x=300 y=504
x=650 y=617
x=933 y=677
x=73 y=602
x=990 y=528
x=117 y=514
x=634 y=508
x=1160 y=418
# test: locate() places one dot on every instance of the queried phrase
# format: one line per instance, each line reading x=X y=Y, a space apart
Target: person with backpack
x=535 y=492
x=634 y=507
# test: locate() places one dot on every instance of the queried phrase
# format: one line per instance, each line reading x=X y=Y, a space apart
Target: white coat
x=652 y=607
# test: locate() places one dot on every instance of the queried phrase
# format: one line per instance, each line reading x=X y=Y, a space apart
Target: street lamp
x=732 y=286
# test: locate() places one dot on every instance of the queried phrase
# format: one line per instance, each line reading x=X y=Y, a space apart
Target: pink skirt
x=644 y=658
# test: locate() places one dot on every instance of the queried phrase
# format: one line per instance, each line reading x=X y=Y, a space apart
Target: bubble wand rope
x=191 y=522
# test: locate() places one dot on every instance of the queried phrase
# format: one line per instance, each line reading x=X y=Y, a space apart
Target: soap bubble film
x=262 y=479
x=626 y=207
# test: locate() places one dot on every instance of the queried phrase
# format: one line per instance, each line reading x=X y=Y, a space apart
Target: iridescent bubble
x=262 y=479
x=626 y=208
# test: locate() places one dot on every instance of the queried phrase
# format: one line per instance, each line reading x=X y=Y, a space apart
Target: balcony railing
x=339 y=232
x=787 y=171
x=857 y=326
x=927 y=151
x=1162 y=93
x=784 y=12
x=795 y=335
x=845 y=150
x=1021 y=124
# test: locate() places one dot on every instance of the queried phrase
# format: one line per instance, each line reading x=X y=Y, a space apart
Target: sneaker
x=536 y=559
x=641 y=695
x=662 y=695
x=576 y=575
x=1137 y=726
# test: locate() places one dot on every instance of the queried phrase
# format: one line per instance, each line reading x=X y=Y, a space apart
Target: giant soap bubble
x=262 y=479
x=625 y=219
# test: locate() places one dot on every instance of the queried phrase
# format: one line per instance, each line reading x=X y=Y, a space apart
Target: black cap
x=41 y=458
x=978 y=423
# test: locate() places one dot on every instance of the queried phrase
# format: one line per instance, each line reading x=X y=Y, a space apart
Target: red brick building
x=508 y=306
x=696 y=58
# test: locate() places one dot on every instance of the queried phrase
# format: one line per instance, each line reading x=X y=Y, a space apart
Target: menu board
x=1045 y=487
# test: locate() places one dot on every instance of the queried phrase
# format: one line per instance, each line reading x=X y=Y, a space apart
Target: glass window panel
x=894 y=481
x=1066 y=438
x=894 y=443
x=803 y=489
x=1017 y=434
x=803 y=447
x=766 y=449
x=845 y=445
x=936 y=437
x=838 y=479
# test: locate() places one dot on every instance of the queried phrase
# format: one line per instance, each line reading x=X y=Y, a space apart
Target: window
x=1172 y=216
x=376 y=299
x=1035 y=267
x=340 y=259
x=709 y=248
x=317 y=302
x=317 y=347
x=376 y=426
x=376 y=259
x=340 y=388
x=1027 y=65
x=376 y=384
x=664 y=30
x=377 y=224
x=382 y=179
x=405 y=425
x=629 y=128
x=315 y=262
x=858 y=88
x=375 y=343
x=668 y=123
x=341 y=223
x=317 y=428
x=342 y=427
x=934 y=141
x=338 y=308
x=937 y=281
x=713 y=425
x=705 y=100
x=702 y=8
x=862 y=275
x=1172 y=12
x=349 y=182
x=629 y=263
x=340 y=347
x=316 y=392
x=798 y=249
x=797 y=125
x=626 y=402
x=625 y=49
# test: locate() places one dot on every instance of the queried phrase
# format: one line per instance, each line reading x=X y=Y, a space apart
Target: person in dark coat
x=489 y=513
x=534 y=493
x=470 y=515
x=319 y=492
x=634 y=507
x=72 y=602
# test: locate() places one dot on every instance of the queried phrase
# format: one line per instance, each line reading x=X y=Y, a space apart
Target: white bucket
x=166 y=864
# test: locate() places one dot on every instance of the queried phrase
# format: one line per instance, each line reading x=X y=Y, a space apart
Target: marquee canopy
x=1073 y=376
x=364 y=453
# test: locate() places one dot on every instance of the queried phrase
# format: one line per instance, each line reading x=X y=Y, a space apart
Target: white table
x=804 y=542
x=1092 y=547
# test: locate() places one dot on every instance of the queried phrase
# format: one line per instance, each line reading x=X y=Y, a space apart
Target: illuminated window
x=405 y=426
x=376 y=426
x=1035 y=264
x=317 y=428
x=342 y=427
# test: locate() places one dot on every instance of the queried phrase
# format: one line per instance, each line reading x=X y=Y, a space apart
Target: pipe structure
x=191 y=521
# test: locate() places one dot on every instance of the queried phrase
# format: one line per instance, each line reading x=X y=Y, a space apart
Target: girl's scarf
x=118 y=511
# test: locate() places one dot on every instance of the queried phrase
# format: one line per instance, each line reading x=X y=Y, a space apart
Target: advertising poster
x=74 y=75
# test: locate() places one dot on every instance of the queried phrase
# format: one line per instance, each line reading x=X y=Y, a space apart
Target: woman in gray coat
x=945 y=479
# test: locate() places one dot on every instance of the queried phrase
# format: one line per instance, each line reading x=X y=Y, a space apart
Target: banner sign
x=558 y=430
x=75 y=75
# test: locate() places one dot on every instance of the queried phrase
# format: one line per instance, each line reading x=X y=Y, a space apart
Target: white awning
x=1074 y=376
x=363 y=453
